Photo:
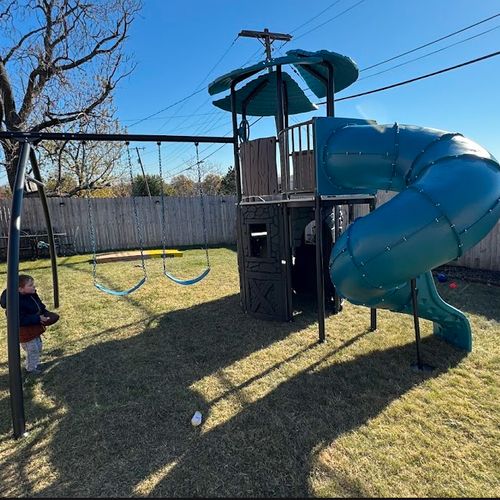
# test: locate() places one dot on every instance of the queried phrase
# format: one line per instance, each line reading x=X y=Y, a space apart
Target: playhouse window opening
x=258 y=240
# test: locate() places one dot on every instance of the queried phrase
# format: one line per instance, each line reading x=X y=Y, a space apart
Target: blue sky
x=180 y=47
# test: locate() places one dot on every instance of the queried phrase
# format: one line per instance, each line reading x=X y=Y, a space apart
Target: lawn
x=282 y=414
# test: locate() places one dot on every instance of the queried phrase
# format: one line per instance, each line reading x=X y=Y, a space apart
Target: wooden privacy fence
x=115 y=225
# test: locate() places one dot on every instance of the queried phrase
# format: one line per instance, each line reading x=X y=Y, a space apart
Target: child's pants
x=33 y=350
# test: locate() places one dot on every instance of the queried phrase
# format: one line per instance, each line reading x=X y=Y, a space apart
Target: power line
x=211 y=154
x=164 y=109
x=278 y=49
x=430 y=43
x=220 y=59
x=170 y=116
x=203 y=128
x=201 y=83
x=472 y=61
x=313 y=18
x=190 y=95
x=330 y=20
x=430 y=53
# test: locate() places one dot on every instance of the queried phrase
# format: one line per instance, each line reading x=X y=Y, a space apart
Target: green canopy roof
x=309 y=64
x=261 y=96
x=224 y=82
x=345 y=71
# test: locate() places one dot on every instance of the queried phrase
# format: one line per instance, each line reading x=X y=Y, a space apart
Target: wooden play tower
x=278 y=182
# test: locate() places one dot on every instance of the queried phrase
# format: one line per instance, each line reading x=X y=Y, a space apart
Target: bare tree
x=74 y=167
x=60 y=61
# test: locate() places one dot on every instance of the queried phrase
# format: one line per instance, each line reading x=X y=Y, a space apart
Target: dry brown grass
x=283 y=415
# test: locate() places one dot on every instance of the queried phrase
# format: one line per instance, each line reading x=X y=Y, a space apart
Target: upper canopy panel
x=258 y=97
x=345 y=71
x=309 y=64
x=224 y=82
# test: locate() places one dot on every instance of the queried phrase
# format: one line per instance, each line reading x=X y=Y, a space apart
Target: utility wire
x=200 y=85
x=171 y=116
x=313 y=18
x=472 y=61
x=220 y=59
x=329 y=20
x=430 y=53
x=279 y=49
x=190 y=95
x=164 y=109
x=430 y=43
x=212 y=153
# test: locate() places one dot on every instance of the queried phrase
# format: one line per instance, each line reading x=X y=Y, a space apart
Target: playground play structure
x=449 y=199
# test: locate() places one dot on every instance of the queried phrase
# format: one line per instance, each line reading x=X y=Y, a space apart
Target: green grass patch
x=282 y=414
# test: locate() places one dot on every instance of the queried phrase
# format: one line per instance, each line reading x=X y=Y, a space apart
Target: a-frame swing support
x=26 y=139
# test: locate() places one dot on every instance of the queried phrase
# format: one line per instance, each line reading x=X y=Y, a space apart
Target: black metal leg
x=320 y=286
x=373 y=312
x=48 y=224
x=14 y=356
x=420 y=365
x=373 y=320
x=336 y=297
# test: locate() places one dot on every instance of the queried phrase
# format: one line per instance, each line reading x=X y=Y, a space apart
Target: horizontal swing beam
x=62 y=136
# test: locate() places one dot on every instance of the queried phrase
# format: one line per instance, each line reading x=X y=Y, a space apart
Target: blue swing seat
x=120 y=293
x=190 y=281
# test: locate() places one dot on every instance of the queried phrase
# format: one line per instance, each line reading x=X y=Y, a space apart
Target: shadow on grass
x=129 y=405
x=474 y=298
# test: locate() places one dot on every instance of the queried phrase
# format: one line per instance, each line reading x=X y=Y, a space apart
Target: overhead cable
x=430 y=43
x=411 y=80
x=430 y=53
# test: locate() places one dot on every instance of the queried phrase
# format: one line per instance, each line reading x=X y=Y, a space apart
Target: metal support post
x=420 y=365
x=320 y=284
x=336 y=298
x=234 y=117
x=48 y=225
x=288 y=260
x=373 y=312
x=14 y=355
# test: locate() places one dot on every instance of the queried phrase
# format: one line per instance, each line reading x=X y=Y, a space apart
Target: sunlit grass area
x=282 y=414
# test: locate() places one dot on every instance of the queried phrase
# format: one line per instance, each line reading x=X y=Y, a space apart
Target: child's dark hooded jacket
x=30 y=309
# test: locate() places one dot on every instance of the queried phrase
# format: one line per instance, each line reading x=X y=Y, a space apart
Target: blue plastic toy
x=442 y=278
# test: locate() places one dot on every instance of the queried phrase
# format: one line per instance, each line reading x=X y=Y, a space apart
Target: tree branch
x=18 y=45
x=6 y=12
x=75 y=115
x=97 y=48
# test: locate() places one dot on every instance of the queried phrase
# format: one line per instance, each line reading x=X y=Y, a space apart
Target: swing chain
x=136 y=213
x=162 y=199
x=204 y=220
x=181 y=281
x=90 y=217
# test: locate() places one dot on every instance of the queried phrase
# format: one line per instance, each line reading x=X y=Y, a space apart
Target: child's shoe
x=33 y=373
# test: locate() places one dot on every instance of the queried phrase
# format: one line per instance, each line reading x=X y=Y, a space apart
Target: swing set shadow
x=27 y=141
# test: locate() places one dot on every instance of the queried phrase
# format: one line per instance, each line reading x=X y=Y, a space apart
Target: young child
x=33 y=318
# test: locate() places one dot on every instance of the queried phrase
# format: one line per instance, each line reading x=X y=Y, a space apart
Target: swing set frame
x=27 y=140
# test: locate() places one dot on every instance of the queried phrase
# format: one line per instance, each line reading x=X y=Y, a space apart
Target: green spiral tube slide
x=448 y=200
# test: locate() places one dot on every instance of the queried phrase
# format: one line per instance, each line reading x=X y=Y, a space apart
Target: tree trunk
x=11 y=152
